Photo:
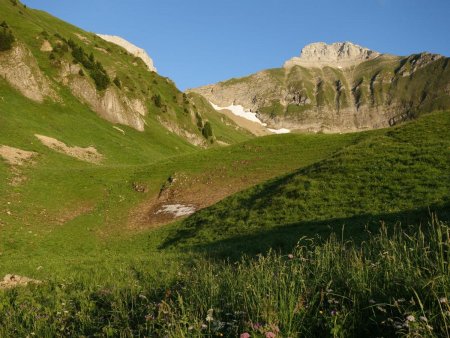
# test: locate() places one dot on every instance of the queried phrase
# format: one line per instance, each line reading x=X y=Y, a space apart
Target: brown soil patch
x=82 y=37
x=185 y=194
x=70 y=215
x=89 y=154
x=12 y=281
x=46 y=46
x=15 y=156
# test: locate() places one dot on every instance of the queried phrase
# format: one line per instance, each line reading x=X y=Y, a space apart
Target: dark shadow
x=283 y=238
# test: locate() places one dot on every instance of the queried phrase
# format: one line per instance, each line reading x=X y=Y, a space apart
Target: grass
x=391 y=285
x=391 y=174
x=71 y=223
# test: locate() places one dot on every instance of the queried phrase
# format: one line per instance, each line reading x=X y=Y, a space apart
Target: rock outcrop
x=132 y=49
x=110 y=104
x=19 y=67
x=339 y=54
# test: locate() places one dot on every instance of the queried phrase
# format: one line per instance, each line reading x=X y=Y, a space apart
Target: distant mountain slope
x=339 y=88
x=50 y=60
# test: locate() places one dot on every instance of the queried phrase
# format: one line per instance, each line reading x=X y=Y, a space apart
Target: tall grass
x=397 y=283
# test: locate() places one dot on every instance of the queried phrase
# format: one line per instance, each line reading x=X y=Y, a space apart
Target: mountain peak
x=338 y=54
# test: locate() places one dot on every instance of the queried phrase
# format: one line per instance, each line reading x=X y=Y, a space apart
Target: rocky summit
x=339 y=54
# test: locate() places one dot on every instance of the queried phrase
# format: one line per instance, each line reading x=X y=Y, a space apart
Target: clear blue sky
x=196 y=42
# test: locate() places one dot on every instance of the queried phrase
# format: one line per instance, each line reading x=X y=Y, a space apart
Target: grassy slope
x=64 y=198
x=393 y=174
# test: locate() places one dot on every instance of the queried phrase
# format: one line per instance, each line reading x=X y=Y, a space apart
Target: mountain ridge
x=339 y=88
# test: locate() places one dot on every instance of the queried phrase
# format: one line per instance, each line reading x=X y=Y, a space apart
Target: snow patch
x=177 y=210
x=279 y=131
x=239 y=110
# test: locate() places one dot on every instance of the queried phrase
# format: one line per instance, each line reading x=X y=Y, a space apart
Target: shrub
x=207 y=130
x=117 y=82
x=100 y=78
x=157 y=100
x=6 y=38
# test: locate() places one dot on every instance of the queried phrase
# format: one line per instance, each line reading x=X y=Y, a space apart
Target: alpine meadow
x=309 y=200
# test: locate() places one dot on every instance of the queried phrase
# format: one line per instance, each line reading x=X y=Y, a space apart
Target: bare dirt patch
x=15 y=156
x=82 y=38
x=181 y=196
x=89 y=154
x=12 y=281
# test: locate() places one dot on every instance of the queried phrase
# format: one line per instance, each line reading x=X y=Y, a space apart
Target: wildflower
x=245 y=335
x=290 y=256
x=334 y=313
x=371 y=301
x=204 y=326
x=423 y=319
x=270 y=334
x=256 y=326
x=411 y=318
x=209 y=316
x=443 y=300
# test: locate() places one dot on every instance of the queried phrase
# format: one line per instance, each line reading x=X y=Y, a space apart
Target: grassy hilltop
x=339 y=235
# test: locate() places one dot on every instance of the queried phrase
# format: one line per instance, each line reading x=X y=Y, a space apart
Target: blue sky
x=196 y=42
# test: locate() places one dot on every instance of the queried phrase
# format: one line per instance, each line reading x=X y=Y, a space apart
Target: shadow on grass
x=283 y=238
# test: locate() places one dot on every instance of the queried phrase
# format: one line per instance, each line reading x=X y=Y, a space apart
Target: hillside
x=340 y=87
x=398 y=174
x=131 y=209
x=53 y=62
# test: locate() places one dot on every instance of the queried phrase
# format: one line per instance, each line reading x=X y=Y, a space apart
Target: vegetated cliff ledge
x=340 y=87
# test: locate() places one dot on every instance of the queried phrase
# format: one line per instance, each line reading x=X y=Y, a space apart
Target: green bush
x=96 y=70
x=117 y=82
x=6 y=38
x=207 y=130
x=157 y=100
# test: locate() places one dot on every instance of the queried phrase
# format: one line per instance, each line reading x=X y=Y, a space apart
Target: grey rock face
x=339 y=54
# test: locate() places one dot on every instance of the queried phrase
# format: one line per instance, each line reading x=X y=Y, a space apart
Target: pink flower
x=245 y=335
x=270 y=335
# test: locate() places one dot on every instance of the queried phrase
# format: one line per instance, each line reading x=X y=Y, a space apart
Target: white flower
x=423 y=319
x=209 y=316
x=443 y=300
x=411 y=318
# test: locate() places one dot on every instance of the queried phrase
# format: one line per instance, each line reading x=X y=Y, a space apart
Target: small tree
x=117 y=82
x=6 y=39
x=157 y=100
x=207 y=130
